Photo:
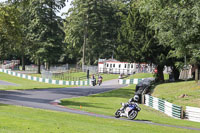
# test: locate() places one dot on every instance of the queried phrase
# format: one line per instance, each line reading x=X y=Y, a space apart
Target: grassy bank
x=145 y=75
x=18 y=119
x=107 y=103
x=15 y=119
x=24 y=83
x=172 y=92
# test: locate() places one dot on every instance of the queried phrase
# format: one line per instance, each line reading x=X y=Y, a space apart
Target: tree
x=9 y=31
x=177 y=24
x=91 y=29
x=138 y=43
x=45 y=31
x=22 y=47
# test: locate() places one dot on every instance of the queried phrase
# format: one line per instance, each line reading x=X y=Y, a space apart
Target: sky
x=65 y=9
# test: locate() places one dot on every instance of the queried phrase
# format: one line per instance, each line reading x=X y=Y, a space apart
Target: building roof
x=110 y=61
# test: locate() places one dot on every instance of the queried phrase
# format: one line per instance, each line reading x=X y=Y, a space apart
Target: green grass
x=35 y=75
x=75 y=76
x=19 y=119
x=24 y=83
x=107 y=103
x=140 y=75
x=172 y=92
x=67 y=76
x=145 y=75
x=107 y=77
x=29 y=84
x=80 y=76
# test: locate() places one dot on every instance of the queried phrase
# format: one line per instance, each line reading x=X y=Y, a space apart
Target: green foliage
x=177 y=24
x=97 y=22
x=137 y=40
x=10 y=30
x=161 y=32
x=45 y=30
x=31 y=28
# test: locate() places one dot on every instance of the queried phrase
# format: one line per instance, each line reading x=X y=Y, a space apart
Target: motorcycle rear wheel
x=132 y=114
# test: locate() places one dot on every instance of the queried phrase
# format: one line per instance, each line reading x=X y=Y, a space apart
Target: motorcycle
x=129 y=110
x=93 y=82
x=99 y=81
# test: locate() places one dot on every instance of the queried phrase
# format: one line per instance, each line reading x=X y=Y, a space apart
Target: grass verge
x=107 y=103
x=172 y=92
x=24 y=83
x=19 y=119
x=80 y=76
x=145 y=75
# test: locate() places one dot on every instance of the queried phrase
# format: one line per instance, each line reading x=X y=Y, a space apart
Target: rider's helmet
x=136 y=98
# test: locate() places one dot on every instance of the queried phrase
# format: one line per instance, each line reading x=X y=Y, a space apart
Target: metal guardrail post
x=182 y=113
x=143 y=99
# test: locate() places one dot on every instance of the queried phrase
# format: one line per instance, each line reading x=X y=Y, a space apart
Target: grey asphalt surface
x=43 y=98
x=7 y=83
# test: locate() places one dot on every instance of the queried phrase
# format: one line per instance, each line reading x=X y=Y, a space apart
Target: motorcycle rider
x=100 y=78
x=133 y=100
x=93 y=80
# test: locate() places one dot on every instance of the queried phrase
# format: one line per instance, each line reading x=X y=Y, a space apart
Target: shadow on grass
x=142 y=120
x=83 y=104
x=3 y=104
x=120 y=93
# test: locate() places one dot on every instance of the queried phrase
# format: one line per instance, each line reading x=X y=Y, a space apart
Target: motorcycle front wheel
x=117 y=113
x=132 y=114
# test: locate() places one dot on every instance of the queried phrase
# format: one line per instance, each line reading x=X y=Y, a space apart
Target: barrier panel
x=164 y=106
x=129 y=81
x=45 y=80
x=192 y=113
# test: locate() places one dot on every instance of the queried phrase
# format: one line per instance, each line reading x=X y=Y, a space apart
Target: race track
x=43 y=98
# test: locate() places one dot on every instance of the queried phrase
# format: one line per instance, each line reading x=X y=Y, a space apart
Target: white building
x=116 y=67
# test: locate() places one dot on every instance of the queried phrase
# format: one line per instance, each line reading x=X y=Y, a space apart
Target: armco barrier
x=129 y=81
x=44 y=80
x=192 y=113
x=164 y=106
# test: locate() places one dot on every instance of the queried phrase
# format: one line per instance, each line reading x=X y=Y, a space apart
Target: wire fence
x=72 y=73
x=9 y=64
x=56 y=68
x=125 y=71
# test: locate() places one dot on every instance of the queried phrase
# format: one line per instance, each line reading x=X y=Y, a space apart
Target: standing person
x=120 y=77
x=100 y=78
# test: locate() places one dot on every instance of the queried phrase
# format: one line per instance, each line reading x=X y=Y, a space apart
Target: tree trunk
x=85 y=42
x=83 y=59
x=159 y=75
x=48 y=66
x=38 y=63
x=176 y=73
x=196 y=73
x=23 y=63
